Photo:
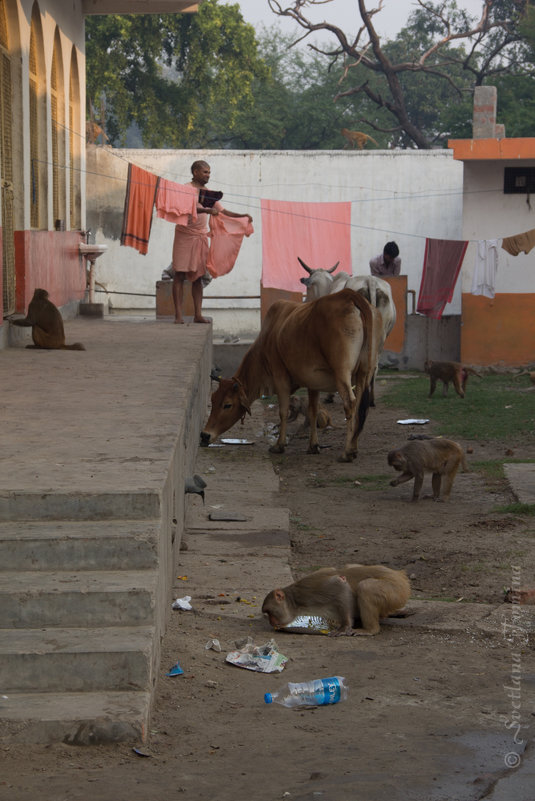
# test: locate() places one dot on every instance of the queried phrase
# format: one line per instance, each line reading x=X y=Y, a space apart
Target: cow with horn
x=329 y=345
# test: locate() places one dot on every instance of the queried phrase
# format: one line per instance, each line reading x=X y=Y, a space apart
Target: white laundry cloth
x=486 y=267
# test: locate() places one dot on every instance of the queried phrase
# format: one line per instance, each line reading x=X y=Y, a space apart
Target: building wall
x=401 y=195
x=45 y=257
x=500 y=330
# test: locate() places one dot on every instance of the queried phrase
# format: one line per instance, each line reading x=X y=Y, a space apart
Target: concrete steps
x=78 y=642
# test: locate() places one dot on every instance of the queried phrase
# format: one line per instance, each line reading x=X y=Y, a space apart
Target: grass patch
x=493 y=409
x=374 y=482
x=522 y=509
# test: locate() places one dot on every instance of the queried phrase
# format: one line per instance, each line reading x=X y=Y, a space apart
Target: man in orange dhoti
x=191 y=246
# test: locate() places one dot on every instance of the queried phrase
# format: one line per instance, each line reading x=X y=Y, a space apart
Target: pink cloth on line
x=319 y=233
x=226 y=237
x=442 y=264
x=176 y=203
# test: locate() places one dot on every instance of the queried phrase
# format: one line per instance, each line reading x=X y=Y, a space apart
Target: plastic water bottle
x=317 y=692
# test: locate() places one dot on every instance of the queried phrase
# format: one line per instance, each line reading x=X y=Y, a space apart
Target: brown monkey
x=357 y=138
x=446 y=372
x=531 y=374
x=300 y=406
x=441 y=457
x=47 y=324
x=356 y=592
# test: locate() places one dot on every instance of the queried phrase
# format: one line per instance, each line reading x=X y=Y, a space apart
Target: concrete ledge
x=76 y=660
x=75 y=718
x=85 y=599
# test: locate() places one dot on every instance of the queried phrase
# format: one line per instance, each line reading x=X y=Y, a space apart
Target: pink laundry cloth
x=319 y=233
x=226 y=237
x=176 y=203
x=442 y=264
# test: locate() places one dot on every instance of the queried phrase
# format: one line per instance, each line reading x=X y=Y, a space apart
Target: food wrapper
x=262 y=658
x=310 y=624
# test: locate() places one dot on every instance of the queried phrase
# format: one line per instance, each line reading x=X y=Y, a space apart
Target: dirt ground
x=430 y=716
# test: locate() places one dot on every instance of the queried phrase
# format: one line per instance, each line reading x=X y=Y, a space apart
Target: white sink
x=92 y=252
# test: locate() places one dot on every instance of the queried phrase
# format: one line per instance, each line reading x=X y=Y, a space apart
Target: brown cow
x=328 y=345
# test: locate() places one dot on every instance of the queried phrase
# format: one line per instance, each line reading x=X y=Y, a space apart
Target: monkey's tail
x=74 y=346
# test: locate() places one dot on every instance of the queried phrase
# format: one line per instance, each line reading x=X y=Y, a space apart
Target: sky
x=343 y=13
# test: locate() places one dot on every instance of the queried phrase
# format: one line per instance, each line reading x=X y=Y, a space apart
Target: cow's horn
x=304 y=266
x=332 y=268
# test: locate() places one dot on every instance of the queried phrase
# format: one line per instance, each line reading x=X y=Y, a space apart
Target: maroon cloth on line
x=442 y=264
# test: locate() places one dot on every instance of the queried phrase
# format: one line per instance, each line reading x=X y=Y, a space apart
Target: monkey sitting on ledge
x=441 y=457
x=47 y=324
x=364 y=593
x=448 y=371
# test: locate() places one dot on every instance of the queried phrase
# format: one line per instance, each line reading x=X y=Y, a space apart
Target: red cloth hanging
x=442 y=264
x=141 y=189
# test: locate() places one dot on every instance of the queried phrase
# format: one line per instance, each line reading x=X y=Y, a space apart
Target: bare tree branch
x=366 y=50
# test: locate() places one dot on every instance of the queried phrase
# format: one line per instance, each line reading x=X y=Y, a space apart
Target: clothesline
x=310 y=230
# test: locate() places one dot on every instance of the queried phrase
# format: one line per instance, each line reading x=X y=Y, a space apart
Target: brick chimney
x=484 y=121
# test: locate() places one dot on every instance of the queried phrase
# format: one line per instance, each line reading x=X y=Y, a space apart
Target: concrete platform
x=97 y=447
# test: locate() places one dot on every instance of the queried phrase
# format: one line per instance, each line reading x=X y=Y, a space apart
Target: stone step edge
x=90 y=718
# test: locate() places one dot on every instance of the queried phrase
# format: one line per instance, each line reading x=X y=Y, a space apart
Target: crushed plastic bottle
x=317 y=692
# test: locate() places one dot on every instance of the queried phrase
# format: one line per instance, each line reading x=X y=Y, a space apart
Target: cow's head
x=318 y=282
x=229 y=404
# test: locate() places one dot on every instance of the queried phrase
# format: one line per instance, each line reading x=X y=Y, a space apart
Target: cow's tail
x=367 y=314
x=364 y=406
x=366 y=311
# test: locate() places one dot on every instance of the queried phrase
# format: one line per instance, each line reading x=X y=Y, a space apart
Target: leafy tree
x=441 y=55
x=182 y=78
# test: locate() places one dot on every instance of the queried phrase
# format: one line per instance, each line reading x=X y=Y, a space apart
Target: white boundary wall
x=404 y=195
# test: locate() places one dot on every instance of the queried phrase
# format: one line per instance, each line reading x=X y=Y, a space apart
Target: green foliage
x=495 y=408
x=182 y=78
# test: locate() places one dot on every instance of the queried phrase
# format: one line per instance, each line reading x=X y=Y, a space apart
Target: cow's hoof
x=347 y=457
x=276 y=449
x=313 y=449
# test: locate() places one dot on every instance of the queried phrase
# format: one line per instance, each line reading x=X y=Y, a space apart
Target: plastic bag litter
x=215 y=645
x=262 y=658
x=413 y=421
x=182 y=603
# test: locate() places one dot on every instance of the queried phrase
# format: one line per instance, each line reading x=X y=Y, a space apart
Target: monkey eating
x=441 y=457
x=448 y=371
x=363 y=593
x=47 y=324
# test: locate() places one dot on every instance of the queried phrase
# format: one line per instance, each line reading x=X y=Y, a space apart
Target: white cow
x=377 y=291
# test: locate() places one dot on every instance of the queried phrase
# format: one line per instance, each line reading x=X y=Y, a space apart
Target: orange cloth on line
x=226 y=235
x=442 y=264
x=319 y=233
x=176 y=202
x=191 y=246
x=520 y=242
x=141 y=189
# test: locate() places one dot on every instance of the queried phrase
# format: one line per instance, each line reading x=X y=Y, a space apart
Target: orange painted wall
x=48 y=260
x=395 y=340
x=499 y=330
x=268 y=296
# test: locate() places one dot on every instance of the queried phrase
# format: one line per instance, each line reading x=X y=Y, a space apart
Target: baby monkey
x=441 y=457
x=300 y=406
x=448 y=371
x=363 y=593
